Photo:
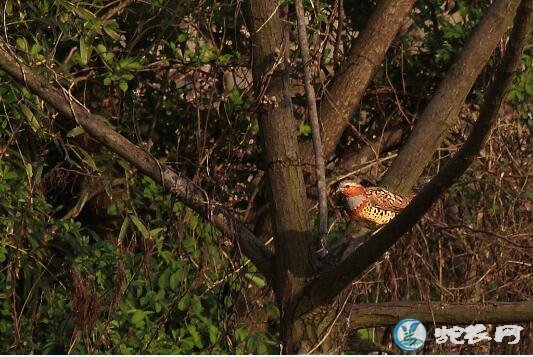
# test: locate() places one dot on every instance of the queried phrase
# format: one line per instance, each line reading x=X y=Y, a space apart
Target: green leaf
x=195 y=336
x=100 y=48
x=138 y=317
x=123 y=86
x=193 y=221
x=37 y=176
x=241 y=334
x=88 y=159
x=154 y=233
x=224 y=59
x=30 y=117
x=235 y=97
x=174 y=281
x=29 y=170
x=164 y=279
x=129 y=64
x=167 y=256
x=107 y=81
x=109 y=29
x=22 y=44
x=83 y=13
x=3 y=254
x=304 y=129
x=127 y=76
x=123 y=229
x=213 y=333
x=78 y=130
x=140 y=226
x=196 y=305
x=257 y=280
x=85 y=50
x=182 y=37
x=8 y=7
x=9 y=174
x=35 y=49
x=184 y=302
x=112 y=209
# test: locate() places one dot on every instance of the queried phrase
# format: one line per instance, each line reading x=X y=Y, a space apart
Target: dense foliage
x=96 y=258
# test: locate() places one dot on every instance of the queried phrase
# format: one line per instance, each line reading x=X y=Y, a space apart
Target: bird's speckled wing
x=386 y=200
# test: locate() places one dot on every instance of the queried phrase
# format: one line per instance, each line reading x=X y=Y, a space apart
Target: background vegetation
x=97 y=258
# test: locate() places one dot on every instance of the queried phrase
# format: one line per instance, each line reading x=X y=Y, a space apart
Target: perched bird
x=373 y=205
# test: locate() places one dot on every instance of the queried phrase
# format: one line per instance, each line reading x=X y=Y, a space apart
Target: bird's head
x=349 y=189
x=351 y=193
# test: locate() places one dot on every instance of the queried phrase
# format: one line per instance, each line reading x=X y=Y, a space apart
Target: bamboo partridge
x=373 y=205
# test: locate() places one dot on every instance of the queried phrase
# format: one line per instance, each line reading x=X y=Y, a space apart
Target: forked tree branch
x=332 y=282
x=179 y=186
x=442 y=112
x=342 y=96
x=439 y=313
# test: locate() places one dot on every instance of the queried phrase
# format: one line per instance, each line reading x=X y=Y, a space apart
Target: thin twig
x=117 y=10
x=338 y=38
x=315 y=126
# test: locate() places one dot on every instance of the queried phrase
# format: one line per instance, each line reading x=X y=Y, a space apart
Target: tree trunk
x=293 y=241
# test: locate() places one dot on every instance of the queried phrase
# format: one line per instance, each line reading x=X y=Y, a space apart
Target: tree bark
x=442 y=111
x=288 y=204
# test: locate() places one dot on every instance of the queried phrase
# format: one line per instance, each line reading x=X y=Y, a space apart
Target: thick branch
x=315 y=126
x=439 y=313
x=332 y=282
x=343 y=95
x=442 y=111
x=181 y=187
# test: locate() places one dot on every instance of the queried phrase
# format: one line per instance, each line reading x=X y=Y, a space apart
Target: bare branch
x=332 y=282
x=315 y=126
x=181 y=187
x=338 y=38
